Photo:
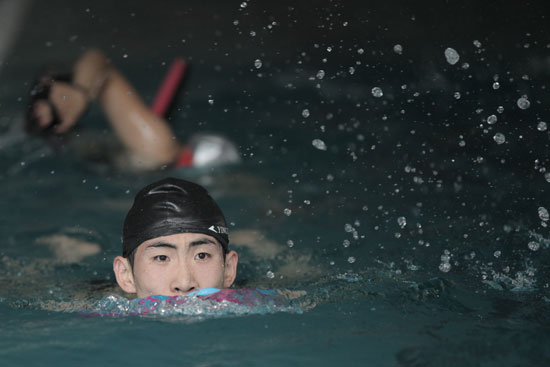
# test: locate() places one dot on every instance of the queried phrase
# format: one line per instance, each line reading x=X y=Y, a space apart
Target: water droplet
x=462 y=143
x=257 y=63
x=496 y=85
x=346 y=243
x=351 y=259
x=244 y=4
x=319 y=144
x=497 y=254
x=533 y=246
x=290 y=243
x=287 y=212
x=547 y=176
x=445 y=267
x=523 y=103
x=398 y=49
x=360 y=51
x=402 y=222
x=270 y=274
x=451 y=55
x=377 y=92
x=543 y=214
x=320 y=74
x=499 y=138
x=210 y=102
x=500 y=109
x=457 y=95
x=542 y=126
x=492 y=119
x=477 y=43
x=305 y=113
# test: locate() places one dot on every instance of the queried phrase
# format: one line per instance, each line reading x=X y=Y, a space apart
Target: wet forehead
x=183 y=241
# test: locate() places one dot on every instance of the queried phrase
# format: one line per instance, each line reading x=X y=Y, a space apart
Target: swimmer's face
x=176 y=265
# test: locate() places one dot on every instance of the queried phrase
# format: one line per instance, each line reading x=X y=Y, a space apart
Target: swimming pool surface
x=395 y=167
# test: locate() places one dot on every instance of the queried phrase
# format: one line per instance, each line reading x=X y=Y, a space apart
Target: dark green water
x=461 y=283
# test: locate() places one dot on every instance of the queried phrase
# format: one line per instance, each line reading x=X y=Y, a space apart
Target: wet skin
x=176 y=265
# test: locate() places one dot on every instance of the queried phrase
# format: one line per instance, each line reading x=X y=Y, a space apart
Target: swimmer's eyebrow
x=198 y=242
x=202 y=241
x=161 y=245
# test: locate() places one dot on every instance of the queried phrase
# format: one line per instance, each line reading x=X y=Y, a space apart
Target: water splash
x=236 y=302
x=451 y=55
x=377 y=92
x=492 y=119
x=398 y=49
x=533 y=246
x=319 y=144
x=522 y=281
x=543 y=214
x=402 y=222
x=499 y=138
x=523 y=103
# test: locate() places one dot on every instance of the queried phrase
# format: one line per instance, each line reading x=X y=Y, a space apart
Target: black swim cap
x=172 y=206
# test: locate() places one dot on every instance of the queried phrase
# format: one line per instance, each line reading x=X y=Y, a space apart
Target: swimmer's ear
x=230 y=270
x=124 y=275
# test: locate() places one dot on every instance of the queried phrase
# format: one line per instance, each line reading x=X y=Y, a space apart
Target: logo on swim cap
x=218 y=229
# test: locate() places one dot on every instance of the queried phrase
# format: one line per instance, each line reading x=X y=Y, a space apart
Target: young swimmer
x=175 y=260
x=175 y=242
x=58 y=100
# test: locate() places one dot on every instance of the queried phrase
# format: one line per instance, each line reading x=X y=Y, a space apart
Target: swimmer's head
x=175 y=241
x=172 y=206
x=39 y=96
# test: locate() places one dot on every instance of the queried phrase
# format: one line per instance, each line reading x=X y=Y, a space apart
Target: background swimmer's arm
x=148 y=137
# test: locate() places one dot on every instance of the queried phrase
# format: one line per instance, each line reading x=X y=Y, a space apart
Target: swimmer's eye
x=161 y=258
x=202 y=256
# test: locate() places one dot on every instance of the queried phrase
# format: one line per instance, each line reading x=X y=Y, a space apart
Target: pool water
x=404 y=192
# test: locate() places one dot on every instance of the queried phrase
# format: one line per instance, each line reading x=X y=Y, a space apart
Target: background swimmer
x=59 y=100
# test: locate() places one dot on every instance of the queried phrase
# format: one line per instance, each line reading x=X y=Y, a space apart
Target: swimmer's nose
x=183 y=283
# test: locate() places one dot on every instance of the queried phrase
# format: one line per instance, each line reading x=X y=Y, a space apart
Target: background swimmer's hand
x=70 y=103
x=69 y=249
x=305 y=304
x=291 y=294
x=256 y=242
